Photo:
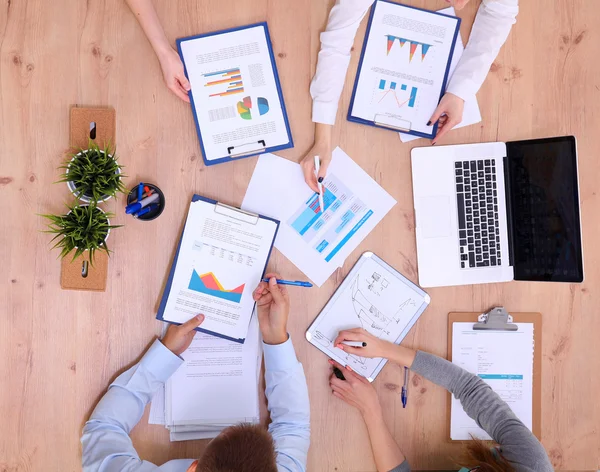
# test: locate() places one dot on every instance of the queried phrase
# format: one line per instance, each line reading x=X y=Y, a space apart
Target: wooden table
x=61 y=349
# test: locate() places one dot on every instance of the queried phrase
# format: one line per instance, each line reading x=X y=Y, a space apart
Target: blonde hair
x=480 y=455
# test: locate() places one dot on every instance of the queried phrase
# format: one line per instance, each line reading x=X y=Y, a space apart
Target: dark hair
x=480 y=455
x=240 y=448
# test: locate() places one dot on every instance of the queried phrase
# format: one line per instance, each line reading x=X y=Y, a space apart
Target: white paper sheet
x=317 y=243
x=235 y=92
x=504 y=360
x=404 y=66
x=217 y=383
x=471 y=113
x=372 y=298
x=220 y=263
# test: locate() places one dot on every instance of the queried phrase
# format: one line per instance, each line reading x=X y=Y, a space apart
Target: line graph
x=388 y=93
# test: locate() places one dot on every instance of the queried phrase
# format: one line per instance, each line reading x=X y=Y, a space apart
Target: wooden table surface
x=60 y=349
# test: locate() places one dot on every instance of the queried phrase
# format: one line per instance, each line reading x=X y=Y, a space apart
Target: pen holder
x=153 y=214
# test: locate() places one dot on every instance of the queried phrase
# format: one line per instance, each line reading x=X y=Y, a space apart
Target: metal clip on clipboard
x=248 y=148
x=236 y=213
x=497 y=319
x=392 y=121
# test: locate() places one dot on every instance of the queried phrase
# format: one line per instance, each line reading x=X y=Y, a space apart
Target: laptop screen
x=544 y=210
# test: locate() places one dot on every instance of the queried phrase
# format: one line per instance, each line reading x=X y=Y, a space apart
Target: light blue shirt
x=106 y=443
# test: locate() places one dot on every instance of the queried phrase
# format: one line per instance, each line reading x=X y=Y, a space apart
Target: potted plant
x=93 y=174
x=83 y=228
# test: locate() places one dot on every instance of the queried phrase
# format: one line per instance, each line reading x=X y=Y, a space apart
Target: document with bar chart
x=236 y=96
x=317 y=240
x=221 y=259
x=404 y=68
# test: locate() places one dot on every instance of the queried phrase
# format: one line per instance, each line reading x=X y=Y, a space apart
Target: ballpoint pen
x=405 y=387
x=296 y=283
x=317 y=169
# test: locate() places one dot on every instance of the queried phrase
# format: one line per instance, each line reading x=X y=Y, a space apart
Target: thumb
x=439 y=111
x=185 y=83
x=193 y=323
x=275 y=291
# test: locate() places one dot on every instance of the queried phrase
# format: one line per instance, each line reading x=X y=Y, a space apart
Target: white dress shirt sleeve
x=334 y=57
x=490 y=30
x=105 y=440
x=287 y=397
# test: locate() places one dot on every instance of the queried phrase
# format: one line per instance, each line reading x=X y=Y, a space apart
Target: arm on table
x=492 y=25
x=492 y=414
x=287 y=397
x=105 y=440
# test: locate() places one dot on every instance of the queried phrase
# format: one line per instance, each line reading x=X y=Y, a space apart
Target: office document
x=216 y=387
x=375 y=297
x=221 y=259
x=504 y=360
x=316 y=241
x=235 y=93
x=471 y=113
x=404 y=68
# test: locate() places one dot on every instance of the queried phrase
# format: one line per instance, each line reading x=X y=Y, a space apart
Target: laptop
x=495 y=212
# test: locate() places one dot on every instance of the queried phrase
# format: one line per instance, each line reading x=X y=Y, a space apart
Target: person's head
x=241 y=448
x=481 y=456
x=458 y=4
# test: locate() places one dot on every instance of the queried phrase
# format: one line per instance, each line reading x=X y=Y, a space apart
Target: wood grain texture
x=60 y=349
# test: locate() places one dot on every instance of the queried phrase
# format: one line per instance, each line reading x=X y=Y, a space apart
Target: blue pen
x=140 y=191
x=137 y=206
x=145 y=210
x=405 y=388
x=296 y=283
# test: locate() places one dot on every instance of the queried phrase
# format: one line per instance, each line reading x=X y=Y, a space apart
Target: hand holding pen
x=361 y=343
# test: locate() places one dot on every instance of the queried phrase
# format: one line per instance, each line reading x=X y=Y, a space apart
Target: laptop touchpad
x=434 y=217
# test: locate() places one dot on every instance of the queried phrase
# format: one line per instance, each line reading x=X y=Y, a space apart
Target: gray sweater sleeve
x=404 y=467
x=519 y=445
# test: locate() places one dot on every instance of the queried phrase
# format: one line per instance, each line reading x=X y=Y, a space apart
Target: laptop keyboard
x=478 y=223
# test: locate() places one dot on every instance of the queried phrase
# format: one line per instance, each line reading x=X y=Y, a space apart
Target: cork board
x=103 y=122
x=73 y=276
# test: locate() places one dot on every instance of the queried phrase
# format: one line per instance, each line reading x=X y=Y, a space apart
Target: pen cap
x=155 y=213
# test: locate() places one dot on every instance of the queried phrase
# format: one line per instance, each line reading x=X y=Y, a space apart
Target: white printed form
x=404 y=65
x=317 y=240
x=504 y=360
x=235 y=93
x=221 y=261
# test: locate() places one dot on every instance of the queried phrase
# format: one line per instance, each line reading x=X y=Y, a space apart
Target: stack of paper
x=216 y=387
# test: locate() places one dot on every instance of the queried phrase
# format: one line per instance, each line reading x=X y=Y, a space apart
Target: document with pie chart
x=236 y=97
x=221 y=259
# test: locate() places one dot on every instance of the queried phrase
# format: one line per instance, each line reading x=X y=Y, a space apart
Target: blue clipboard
x=165 y=296
x=290 y=144
x=362 y=55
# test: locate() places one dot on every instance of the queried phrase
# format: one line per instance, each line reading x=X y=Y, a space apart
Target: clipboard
x=254 y=146
x=383 y=120
x=367 y=286
x=231 y=212
x=499 y=319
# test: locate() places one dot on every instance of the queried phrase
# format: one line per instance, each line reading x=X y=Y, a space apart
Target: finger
x=442 y=131
x=323 y=170
x=340 y=385
x=357 y=351
x=349 y=335
x=177 y=90
x=192 y=323
x=336 y=364
x=439 y=111
x=185 y=83
x=278 y=295
x=351 y=376
x=260 y=290
x=309 y=176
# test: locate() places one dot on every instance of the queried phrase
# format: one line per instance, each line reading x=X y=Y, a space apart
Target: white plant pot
x=71 y=185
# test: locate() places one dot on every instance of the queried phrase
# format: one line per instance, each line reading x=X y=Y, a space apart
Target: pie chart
x=244 y=107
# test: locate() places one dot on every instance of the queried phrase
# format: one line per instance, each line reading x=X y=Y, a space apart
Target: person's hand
x=321 y=148
x=273 y=308
x=355 y=390
x=449 y=113
x=375 y=347
x=172 y=69
x=178 y=338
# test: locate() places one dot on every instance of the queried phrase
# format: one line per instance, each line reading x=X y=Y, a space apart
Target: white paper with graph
x=235 y=91
x=404 y=67
x=376 y=297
